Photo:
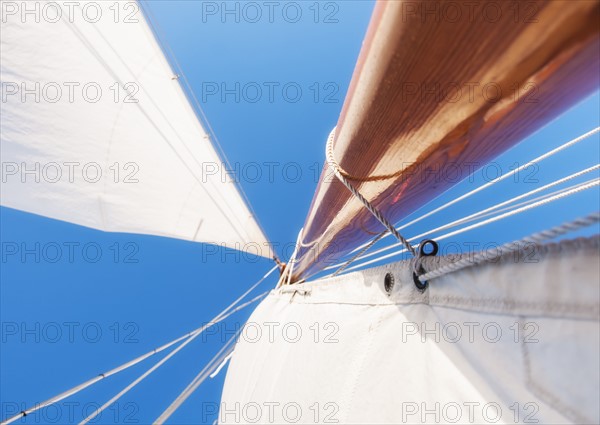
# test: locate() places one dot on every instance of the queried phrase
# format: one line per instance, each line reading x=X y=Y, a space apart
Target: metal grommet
x=434 y=248
x=388 y=283
x=422 y=286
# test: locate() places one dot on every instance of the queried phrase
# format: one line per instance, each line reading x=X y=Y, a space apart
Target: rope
x=216 y=362
x=222 y=365
x=378 y=215
x=292 y=261
x=528 y=206
x=286 y=276
x=125 y=390
x=78 y=388
x=466 y=219
x=500 y=178
x=140 y=378
x=357 y=255
x=164 y=360
x=483 y=256
x=92 y=381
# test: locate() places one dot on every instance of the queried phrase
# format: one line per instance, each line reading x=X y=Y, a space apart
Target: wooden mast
x=438 y=87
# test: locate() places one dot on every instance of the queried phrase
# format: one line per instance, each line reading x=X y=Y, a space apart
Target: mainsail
x=437 y=90
x=97 y=131
x=514 y=341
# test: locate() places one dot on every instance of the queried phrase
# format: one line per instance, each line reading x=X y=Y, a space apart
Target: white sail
x=96 y=129
x=511 y=341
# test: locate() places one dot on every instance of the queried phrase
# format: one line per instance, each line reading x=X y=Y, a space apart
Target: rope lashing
x=418 y=269
x=341 y=175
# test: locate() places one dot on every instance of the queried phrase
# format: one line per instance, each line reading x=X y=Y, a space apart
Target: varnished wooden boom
x=441 y=87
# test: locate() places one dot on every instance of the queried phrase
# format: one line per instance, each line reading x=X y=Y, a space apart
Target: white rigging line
x=494 y=181
x=216 y=362
x=529 y=205
x=159 y=364
x=490 y=254
x=286 y=275
x=78 y=388
x=474 y=216
x=222 y=365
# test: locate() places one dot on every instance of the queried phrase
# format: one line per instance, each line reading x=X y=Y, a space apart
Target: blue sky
x=170 y=288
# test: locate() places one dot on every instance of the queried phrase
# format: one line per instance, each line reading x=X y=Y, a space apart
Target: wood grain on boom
x=438 y=87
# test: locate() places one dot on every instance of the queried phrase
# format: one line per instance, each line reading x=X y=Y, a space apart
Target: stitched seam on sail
x=553 y=401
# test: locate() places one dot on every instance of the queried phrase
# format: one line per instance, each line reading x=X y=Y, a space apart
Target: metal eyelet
x=388 y=283
x=422 y=286
x=434 y=248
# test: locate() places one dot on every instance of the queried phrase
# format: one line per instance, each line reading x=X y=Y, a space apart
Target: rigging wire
x=483 y=213
x=529 y=205
x=493 y=181
x=288 y=269
x=359 y=254
x=216 y=362
x=339 y=173
x=78 y=388
x=493 y=253
x=222 y=365
x=156 y=366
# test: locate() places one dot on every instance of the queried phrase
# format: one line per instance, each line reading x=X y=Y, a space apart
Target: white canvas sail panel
x=510 y=341
x=96 y=129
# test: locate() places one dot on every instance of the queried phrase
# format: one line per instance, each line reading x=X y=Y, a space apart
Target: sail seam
x=540 y=392
x=219 y=205
x=188 y=92
x=498 y=305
